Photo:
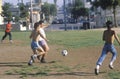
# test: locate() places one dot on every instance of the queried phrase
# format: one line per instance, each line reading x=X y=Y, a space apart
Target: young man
x=108 y=36
x=8 y=32
x=43 y=42
x=37 y=49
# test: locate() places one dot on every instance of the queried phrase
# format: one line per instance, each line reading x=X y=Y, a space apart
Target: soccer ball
x=64 y=52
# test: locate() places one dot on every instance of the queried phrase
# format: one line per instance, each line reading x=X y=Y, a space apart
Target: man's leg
x=114 y=55
x=46 y=49
x=4 y=36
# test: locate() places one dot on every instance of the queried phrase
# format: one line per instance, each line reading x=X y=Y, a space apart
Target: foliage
x=49 y=9
x=53 y=10
x=55 y=2
x=108 y=4
x=6 y=11
x=105 y=4
x=17 y=18
x=23 y=11
x=78 y=10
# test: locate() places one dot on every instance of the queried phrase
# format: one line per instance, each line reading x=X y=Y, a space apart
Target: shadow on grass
x=18 y=64
x=12 y=64
x=74 y=73
x=56 y=74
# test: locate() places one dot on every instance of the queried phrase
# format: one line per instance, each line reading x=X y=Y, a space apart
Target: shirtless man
x=108 y=36
x=37 y=49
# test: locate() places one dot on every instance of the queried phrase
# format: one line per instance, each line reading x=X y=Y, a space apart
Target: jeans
x=107 y=48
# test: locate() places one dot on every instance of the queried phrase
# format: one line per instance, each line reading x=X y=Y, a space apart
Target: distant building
x=36 y=5
x=102 y=16
x=1 y=18
x=86 y=3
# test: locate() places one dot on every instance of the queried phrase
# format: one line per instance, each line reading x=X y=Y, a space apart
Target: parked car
x=71 y=20
x=58 y=21
x=55 y=22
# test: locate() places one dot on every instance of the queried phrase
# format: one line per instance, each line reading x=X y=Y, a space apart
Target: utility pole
x=31 y=14
x=65 y=15
x=21 y=1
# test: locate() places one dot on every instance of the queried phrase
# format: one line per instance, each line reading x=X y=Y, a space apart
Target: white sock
x=111 y=63
x=35 y=55
x=98 y=67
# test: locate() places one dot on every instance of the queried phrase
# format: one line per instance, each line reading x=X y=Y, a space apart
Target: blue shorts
x=34 y=45
x=42 y=42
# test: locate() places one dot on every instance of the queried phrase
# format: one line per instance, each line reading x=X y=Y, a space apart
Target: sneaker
x=38 y=57
x=32 y=58
x=11 y=41
x=30 y=62
x=111 y=66
x=96 y=71
x=43 y=61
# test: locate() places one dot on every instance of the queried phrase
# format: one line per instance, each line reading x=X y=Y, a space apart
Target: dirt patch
x=82 y=62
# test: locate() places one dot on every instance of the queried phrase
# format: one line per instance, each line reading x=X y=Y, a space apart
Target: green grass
x=76 y=39
x=70 y=39
x=22 y=38
x=114 y=75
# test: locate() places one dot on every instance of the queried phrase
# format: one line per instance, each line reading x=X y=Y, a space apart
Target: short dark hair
x=108 y=23
x=40 y=22
x=36 y=25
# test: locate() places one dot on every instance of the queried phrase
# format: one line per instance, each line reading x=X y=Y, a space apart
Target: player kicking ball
x=37 y=49
x=108 y=36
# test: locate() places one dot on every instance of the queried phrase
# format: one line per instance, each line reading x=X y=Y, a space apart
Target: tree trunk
x=115 y=19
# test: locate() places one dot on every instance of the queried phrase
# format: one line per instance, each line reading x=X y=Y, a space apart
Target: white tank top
x=43 y=33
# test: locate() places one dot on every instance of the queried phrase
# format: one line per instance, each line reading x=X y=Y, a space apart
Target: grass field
x=58 y=67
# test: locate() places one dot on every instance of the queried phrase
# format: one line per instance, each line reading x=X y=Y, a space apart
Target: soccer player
x=37 y=49
x=108 y=36
x=8 y=32
x=43 y=42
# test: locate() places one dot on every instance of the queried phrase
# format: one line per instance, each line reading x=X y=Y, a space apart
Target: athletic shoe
x=11 y=41
x=30 y=62
x=111 y=66
x=43 y=61
x=96 y=71
x=38 y=57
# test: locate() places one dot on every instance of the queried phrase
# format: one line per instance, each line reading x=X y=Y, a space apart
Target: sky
x=59 y=2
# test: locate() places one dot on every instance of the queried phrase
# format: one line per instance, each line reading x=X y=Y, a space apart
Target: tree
x=77 y=9
x=108 y=4
x=48 y=9
x=6 y=12
x=23 y=11
x=53 y=10
x=55 y=2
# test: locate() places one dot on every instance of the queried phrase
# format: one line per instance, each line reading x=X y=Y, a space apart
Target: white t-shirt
x=43 y=33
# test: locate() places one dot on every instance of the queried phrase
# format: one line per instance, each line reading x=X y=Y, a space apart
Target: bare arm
x=116 y=37
x=43 y=37
x=31 y=35
x=103 y=36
